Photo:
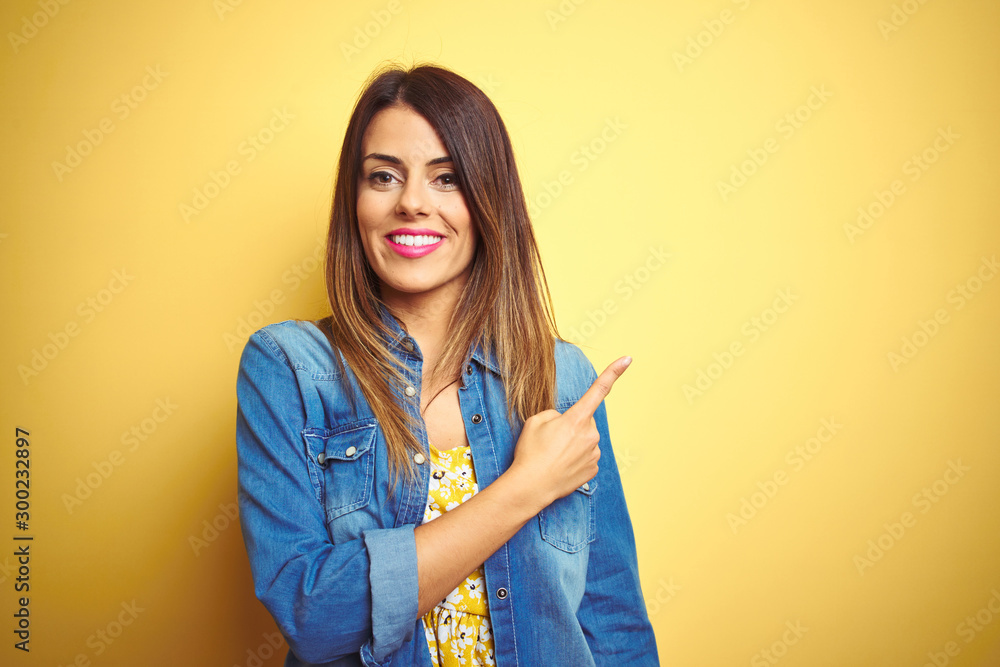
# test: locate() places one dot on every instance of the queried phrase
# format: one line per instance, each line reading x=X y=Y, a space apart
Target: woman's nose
x=413 y=199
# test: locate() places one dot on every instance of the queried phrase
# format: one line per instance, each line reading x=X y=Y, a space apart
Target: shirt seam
x=275 y=349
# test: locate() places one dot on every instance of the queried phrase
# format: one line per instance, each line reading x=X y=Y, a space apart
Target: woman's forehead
x=401 y=132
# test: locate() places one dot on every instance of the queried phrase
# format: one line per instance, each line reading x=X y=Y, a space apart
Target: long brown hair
x=505 y=306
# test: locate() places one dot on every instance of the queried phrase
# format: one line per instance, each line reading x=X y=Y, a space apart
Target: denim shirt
x=333 y=557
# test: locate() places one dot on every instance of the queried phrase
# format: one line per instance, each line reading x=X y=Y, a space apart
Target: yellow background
x=663 y=132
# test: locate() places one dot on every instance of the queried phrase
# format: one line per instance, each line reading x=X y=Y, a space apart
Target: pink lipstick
x=413 y=243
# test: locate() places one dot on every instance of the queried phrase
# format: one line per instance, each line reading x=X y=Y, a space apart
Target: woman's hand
x=556 y=453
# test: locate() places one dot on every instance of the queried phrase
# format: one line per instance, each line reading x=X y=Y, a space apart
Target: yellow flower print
x=458 y=628
x=474 y=587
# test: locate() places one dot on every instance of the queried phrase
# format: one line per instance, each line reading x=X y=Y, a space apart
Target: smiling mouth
x=414 y=241
x=414 y=246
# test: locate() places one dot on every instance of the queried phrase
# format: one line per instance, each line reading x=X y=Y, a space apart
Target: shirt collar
x=397 y=336
x=489 y=362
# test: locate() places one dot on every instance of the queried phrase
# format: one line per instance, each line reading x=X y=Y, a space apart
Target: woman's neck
x=426 y=318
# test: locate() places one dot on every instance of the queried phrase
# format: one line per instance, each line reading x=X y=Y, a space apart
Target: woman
x=418 y=473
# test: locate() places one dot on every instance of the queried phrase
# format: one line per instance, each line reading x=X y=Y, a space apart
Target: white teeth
x=407 y=239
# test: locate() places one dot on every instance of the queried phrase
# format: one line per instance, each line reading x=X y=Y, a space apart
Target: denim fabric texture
x=333 y=557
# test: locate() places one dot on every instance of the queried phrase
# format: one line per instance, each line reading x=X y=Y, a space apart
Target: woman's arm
x=454 y=544
x=322 y=596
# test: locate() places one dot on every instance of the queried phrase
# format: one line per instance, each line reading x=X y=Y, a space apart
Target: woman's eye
x=380 y=178
x=449 y=180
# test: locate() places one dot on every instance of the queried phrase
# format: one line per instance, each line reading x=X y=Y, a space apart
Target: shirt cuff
x=392 y=553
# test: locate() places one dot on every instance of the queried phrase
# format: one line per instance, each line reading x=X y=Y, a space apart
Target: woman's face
x=415 y=227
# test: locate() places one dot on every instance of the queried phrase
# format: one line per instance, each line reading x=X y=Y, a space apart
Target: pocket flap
x=344 y=443
x=588 y=488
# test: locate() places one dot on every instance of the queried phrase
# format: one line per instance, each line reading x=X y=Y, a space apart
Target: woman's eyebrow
x=395 y=160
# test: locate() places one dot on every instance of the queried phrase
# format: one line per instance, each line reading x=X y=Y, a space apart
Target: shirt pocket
x=569 y=522
x=342 y=461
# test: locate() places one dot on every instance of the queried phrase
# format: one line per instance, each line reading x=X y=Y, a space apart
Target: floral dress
x=458 y=628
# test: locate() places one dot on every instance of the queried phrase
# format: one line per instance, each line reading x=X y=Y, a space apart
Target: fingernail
x=626 y=361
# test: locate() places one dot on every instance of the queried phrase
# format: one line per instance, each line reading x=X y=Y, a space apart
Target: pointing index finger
x=589 y=402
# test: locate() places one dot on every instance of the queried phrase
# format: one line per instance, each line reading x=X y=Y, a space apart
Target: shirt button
x=419 y=458
x=410 y=391
x=321 y=459
x=477 y=418
x=502 y=593
x=468 y=369
x=350 y=451
x=586 y=485
x=408 y=344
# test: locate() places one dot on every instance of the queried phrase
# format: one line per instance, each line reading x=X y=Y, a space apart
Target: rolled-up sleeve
x=613 y=613
x=329 y=600
x=393 y=580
